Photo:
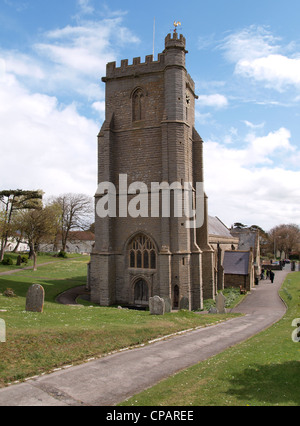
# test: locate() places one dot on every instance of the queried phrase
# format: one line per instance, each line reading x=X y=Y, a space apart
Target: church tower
x=149 y=137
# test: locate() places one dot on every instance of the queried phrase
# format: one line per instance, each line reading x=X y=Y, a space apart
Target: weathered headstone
x=157 y=305
x=168 y=304
x=220 y=303
x=184 y=303
x=35 y=298
x=2 y=331
x=213 y=310
x=19 y=261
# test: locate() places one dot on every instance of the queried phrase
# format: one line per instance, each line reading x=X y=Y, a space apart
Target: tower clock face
x=188 y=99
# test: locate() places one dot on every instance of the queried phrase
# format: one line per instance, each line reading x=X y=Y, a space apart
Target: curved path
x=110 y=380
x=69 y=296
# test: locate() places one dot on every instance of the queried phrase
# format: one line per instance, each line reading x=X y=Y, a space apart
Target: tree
x=12 y=201
x=37 y=226
x=239 y=225
x=76 y=213
x=284 y=238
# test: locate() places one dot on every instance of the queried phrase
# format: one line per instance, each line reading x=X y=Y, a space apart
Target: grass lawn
x=263 y=371
x=42 y=258
x=62 y=335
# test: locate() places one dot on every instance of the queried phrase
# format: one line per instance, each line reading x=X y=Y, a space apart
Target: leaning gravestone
x=220 y=303
x=157 y=305
x=35 y=298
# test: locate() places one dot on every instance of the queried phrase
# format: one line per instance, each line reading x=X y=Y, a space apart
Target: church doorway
x=176 y=297
x=141 y=293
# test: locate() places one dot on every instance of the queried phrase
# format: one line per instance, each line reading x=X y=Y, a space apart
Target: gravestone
x=168 y=305
x=220 y=303
x=157 y=305
x=35 y=298
x=213 y=310
x=2 y=331
x=19 y=261
x=184 y=304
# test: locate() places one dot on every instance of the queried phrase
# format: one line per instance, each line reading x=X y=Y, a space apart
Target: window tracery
x=142 y=253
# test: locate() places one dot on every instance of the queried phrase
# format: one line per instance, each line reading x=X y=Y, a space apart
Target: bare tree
x=284 y=238
x=76 y=213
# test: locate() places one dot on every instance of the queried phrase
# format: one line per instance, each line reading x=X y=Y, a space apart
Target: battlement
x=175 y=40
x=137 y=67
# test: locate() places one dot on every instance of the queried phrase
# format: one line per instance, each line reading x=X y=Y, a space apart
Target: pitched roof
x=236 y=262
x=216 y=227
x=81 y=236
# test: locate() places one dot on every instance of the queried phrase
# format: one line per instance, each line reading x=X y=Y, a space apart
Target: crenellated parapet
x=175 y=40
x=172 y=41
x=137 y=67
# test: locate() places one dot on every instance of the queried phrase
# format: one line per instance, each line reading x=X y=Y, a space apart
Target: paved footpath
x=110 y=380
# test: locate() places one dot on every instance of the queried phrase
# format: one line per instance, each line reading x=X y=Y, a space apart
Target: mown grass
x=263 y=371
x=41 y=258
x=62 y=335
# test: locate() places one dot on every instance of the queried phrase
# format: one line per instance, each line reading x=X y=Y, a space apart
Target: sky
x=244 y=57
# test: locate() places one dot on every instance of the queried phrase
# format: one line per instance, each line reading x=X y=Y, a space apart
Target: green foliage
x=7 y=261
x=24 y=259
x=232 y=296
x=62 y=254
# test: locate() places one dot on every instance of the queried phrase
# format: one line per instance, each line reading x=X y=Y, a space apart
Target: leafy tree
x=12 y=201
x=239 y=225
x=37 y=226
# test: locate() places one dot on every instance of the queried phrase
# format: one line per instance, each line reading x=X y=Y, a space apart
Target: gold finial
x=176 y=24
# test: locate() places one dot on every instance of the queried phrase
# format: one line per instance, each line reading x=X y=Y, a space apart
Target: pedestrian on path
x=272 y=276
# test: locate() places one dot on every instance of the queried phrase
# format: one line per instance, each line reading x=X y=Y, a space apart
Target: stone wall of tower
x=149 y=135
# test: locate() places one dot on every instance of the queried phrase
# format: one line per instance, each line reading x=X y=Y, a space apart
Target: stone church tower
x=149 y=136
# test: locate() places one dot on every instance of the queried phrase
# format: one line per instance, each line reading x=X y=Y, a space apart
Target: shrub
x=62 y=254
x=9 y=293
x=231 y=295
x=7 y=261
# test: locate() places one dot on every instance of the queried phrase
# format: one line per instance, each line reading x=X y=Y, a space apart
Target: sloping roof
x=247 y=240
x=236 y=262
x=81 y=236
x=216 y=227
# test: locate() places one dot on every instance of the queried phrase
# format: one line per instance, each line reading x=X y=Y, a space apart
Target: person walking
x=272 y=276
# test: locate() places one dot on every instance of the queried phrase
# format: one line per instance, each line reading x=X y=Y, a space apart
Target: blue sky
x=244 y=57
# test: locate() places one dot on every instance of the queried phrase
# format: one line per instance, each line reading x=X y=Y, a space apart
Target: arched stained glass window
x=142 y=253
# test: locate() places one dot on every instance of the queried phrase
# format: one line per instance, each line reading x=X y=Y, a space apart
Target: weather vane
x=176 y=24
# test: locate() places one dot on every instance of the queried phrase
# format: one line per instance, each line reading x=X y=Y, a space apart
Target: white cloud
x=258 y=55
x=85 y=7
x=276 y=71
x=254 y=126
x=216 y=101
x=250 y=43
x=77 y=54
x=44 y=146
x=46 y=142
x=241 y=186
